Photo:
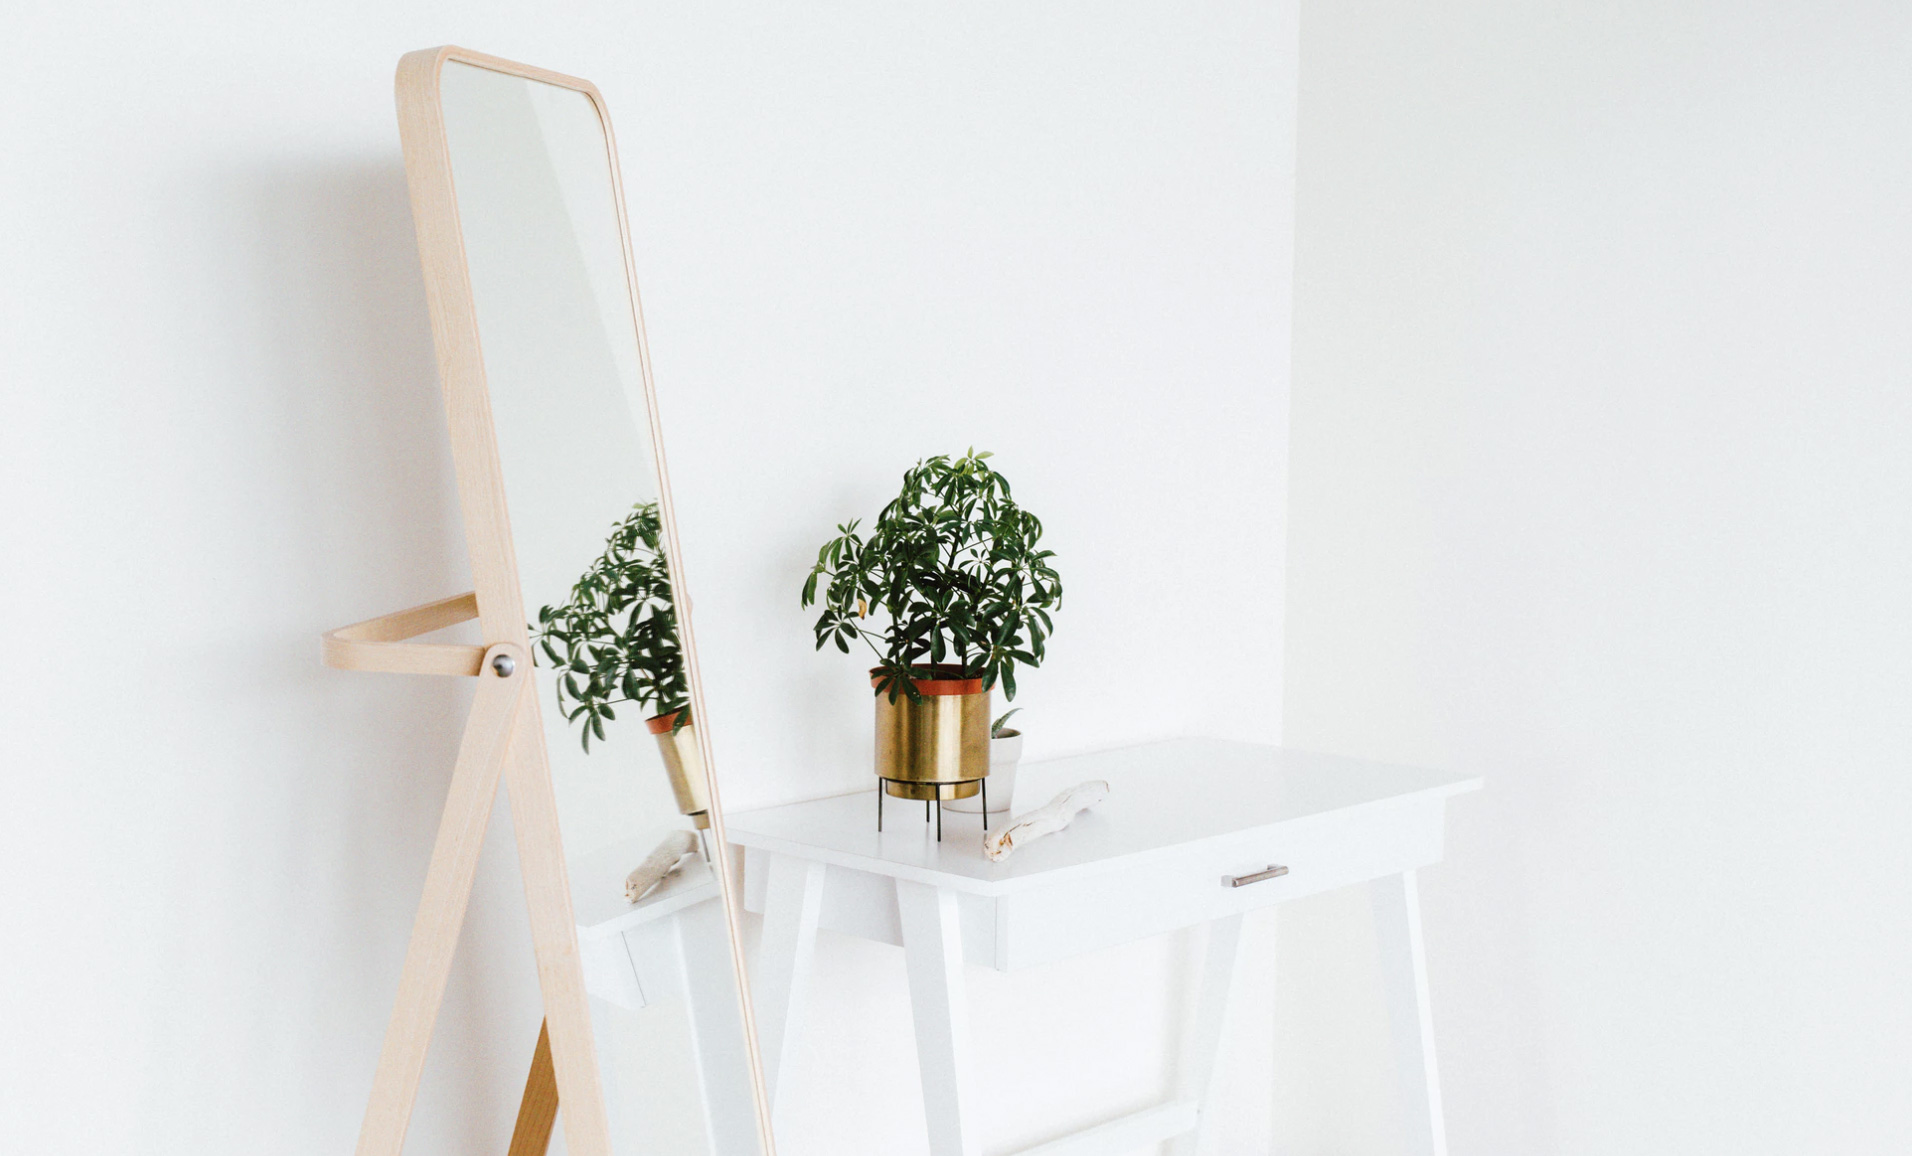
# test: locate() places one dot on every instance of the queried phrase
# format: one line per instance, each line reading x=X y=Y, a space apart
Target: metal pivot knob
x=504 y=664
x=1273 y=871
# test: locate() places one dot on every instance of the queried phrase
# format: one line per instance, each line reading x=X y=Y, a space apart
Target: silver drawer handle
x=1273 y=872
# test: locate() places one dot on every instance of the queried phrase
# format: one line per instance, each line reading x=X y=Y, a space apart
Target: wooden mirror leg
x=538 y=1111
x=441 y=910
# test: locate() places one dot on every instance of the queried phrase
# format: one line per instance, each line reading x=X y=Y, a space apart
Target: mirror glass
x=563 y=355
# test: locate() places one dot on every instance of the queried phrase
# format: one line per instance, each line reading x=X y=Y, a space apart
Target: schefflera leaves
x=958 y=569
x=615 y=640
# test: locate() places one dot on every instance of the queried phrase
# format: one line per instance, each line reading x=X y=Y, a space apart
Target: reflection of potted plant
x=1005 y=751
x=957 y=568
x=616 y=641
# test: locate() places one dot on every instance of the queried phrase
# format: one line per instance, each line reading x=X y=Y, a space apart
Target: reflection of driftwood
x=1045 y=820
x=659 y=863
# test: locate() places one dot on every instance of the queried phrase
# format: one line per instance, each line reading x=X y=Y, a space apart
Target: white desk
x=1182 y=819
x=670 y=947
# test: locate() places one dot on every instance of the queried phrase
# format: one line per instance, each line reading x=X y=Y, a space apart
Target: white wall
x=1600 y=488
x=865 y=232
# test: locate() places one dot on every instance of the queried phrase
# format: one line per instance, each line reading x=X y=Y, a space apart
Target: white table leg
x=1397 y=921
x=717 y=1021
x=1204 y=1045
x=656 y=951
x=933 y=953
x=793 y=899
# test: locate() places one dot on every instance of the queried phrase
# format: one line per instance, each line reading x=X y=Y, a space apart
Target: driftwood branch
x=1047 y=819
x=668 y=857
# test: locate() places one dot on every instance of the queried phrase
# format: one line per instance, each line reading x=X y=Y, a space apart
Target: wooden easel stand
x=486 y=750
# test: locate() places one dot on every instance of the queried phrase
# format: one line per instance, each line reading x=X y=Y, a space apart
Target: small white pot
x=1004 y=754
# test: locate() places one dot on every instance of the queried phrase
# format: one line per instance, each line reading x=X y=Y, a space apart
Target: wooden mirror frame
x=503 y=735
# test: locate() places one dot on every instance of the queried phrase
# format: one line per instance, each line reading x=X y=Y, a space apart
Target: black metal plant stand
x=883 y=790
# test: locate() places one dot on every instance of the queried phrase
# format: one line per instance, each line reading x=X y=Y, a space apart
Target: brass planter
x=937 y=747
x=684 y=763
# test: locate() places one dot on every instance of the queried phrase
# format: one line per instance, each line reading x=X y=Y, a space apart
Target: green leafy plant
x=615 y=640
x=958 y=569
x=1002 y=720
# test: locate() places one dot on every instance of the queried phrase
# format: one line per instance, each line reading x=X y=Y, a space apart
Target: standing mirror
x=588 y=706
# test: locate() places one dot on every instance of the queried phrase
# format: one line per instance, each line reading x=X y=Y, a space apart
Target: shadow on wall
x=346 y=420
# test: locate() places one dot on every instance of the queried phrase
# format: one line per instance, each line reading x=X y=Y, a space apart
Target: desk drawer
x=1190 y=884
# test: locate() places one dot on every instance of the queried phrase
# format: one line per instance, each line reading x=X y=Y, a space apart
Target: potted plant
x=955 y=571
x=615 y=641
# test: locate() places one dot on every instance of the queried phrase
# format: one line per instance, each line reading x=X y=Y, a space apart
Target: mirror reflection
x=564 y=361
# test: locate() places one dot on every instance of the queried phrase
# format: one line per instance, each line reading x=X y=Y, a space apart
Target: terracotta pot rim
x=937 y=686
x=662 y=722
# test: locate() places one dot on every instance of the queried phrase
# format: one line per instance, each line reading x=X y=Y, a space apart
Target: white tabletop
x=597 y=890
x=1161 y=795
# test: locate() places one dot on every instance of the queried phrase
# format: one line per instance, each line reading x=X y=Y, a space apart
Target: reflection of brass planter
x=684 y=763
x=944 y=739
